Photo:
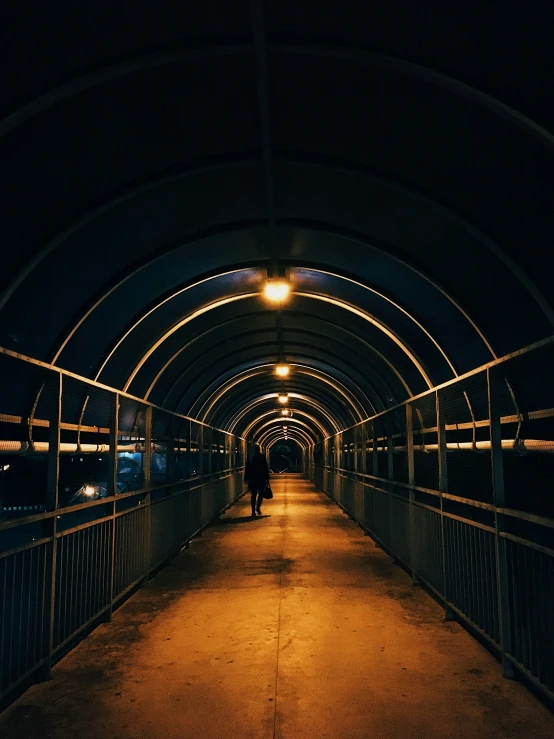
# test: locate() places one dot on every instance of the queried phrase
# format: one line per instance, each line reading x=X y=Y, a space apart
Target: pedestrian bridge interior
x=321 y=228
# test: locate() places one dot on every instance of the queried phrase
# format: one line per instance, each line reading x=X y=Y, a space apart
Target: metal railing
x=476 y=527
x=66 y=564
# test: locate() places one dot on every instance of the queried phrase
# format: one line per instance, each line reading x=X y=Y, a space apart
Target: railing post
x=443 y=488
x=375 y=473
x=170 y=451
x=112 y=492
x=53 y=476
x=390 y=477
x=413 y=539
x=499 y=502
x=148 y=484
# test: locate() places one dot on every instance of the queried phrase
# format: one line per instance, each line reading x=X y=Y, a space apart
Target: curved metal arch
x=303 y=359
x=244 y=296
x=232 y=406
x=364 y=240
x=107 y=74
x=328 y=362
x=367 y=317
x=280 y=437
x=313 y=317
x=150 y=184
x=400 y=66
x=292 y=395
x=253 y=423
x=89 y=217
x=417 y=71
x=268 y=444
x=302 y=380
x=291 y=432
x=224 y=301
x=272 y=431
x=304 y=369
x=395 y=304
x=246 y=409
x=334 y=51
x=309 y=352
x=270 y=441
x=200 y=311
x=300 y=423
x=186 y=346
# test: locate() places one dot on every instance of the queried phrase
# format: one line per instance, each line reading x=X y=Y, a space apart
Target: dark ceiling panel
x=452 y=40
x=140 y=172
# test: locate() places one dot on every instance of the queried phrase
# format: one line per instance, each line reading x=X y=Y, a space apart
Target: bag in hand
x=268 y=493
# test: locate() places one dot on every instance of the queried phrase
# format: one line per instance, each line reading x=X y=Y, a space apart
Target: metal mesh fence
x=97 y=489
x=475 y=520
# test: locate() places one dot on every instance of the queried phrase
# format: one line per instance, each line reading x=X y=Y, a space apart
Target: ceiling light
x=276 y=291
x=282 y=370
x=285 y=412
x=283 y=399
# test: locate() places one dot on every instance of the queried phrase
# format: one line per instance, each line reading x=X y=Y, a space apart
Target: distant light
x=282 y=370
x=276 y=291
x=5 y=467
x=89 y=490
x=283 y=399
x=285 y=412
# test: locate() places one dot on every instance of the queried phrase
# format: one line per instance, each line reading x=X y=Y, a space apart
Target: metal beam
x=402 y=345
x=339 y=387
x=282 y=421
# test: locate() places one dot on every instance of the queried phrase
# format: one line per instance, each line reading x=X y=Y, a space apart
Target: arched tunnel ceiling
x=160 y=161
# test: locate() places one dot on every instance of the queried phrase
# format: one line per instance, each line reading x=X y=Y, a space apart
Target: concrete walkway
x=291 y=625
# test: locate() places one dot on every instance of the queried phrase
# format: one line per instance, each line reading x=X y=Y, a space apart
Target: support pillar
x=413 y=539
x=55 y=383
x=494 y=383
x=112 y=492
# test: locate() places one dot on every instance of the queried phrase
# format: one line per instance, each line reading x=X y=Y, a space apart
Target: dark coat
x=256 y=472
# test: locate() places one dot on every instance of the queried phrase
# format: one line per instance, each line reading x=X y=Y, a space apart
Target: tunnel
x=322 y=228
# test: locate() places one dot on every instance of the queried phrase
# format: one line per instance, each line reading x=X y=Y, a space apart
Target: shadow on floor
x=239 y=519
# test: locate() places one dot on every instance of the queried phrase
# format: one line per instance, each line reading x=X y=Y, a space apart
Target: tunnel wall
x=67 y=562
x=454 y=486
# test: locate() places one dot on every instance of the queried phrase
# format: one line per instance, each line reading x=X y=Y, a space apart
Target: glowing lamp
x=282 y=370
x=285 y=412
x=283 y=399
x=276 y=291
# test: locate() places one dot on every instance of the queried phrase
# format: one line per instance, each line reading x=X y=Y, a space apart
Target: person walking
x=256 y=474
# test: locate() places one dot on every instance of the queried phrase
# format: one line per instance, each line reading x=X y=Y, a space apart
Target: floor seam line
x=279 y=623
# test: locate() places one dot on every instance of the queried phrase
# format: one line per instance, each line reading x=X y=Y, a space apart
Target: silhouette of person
x=256 y=474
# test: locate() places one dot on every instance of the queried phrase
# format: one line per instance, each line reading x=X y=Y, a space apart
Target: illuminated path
x=292 y=626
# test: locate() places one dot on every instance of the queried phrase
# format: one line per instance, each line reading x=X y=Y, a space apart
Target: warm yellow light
x=283 y=398
x=282 y=370
x=276 y=291
x=89 y=490
x=285 y=412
